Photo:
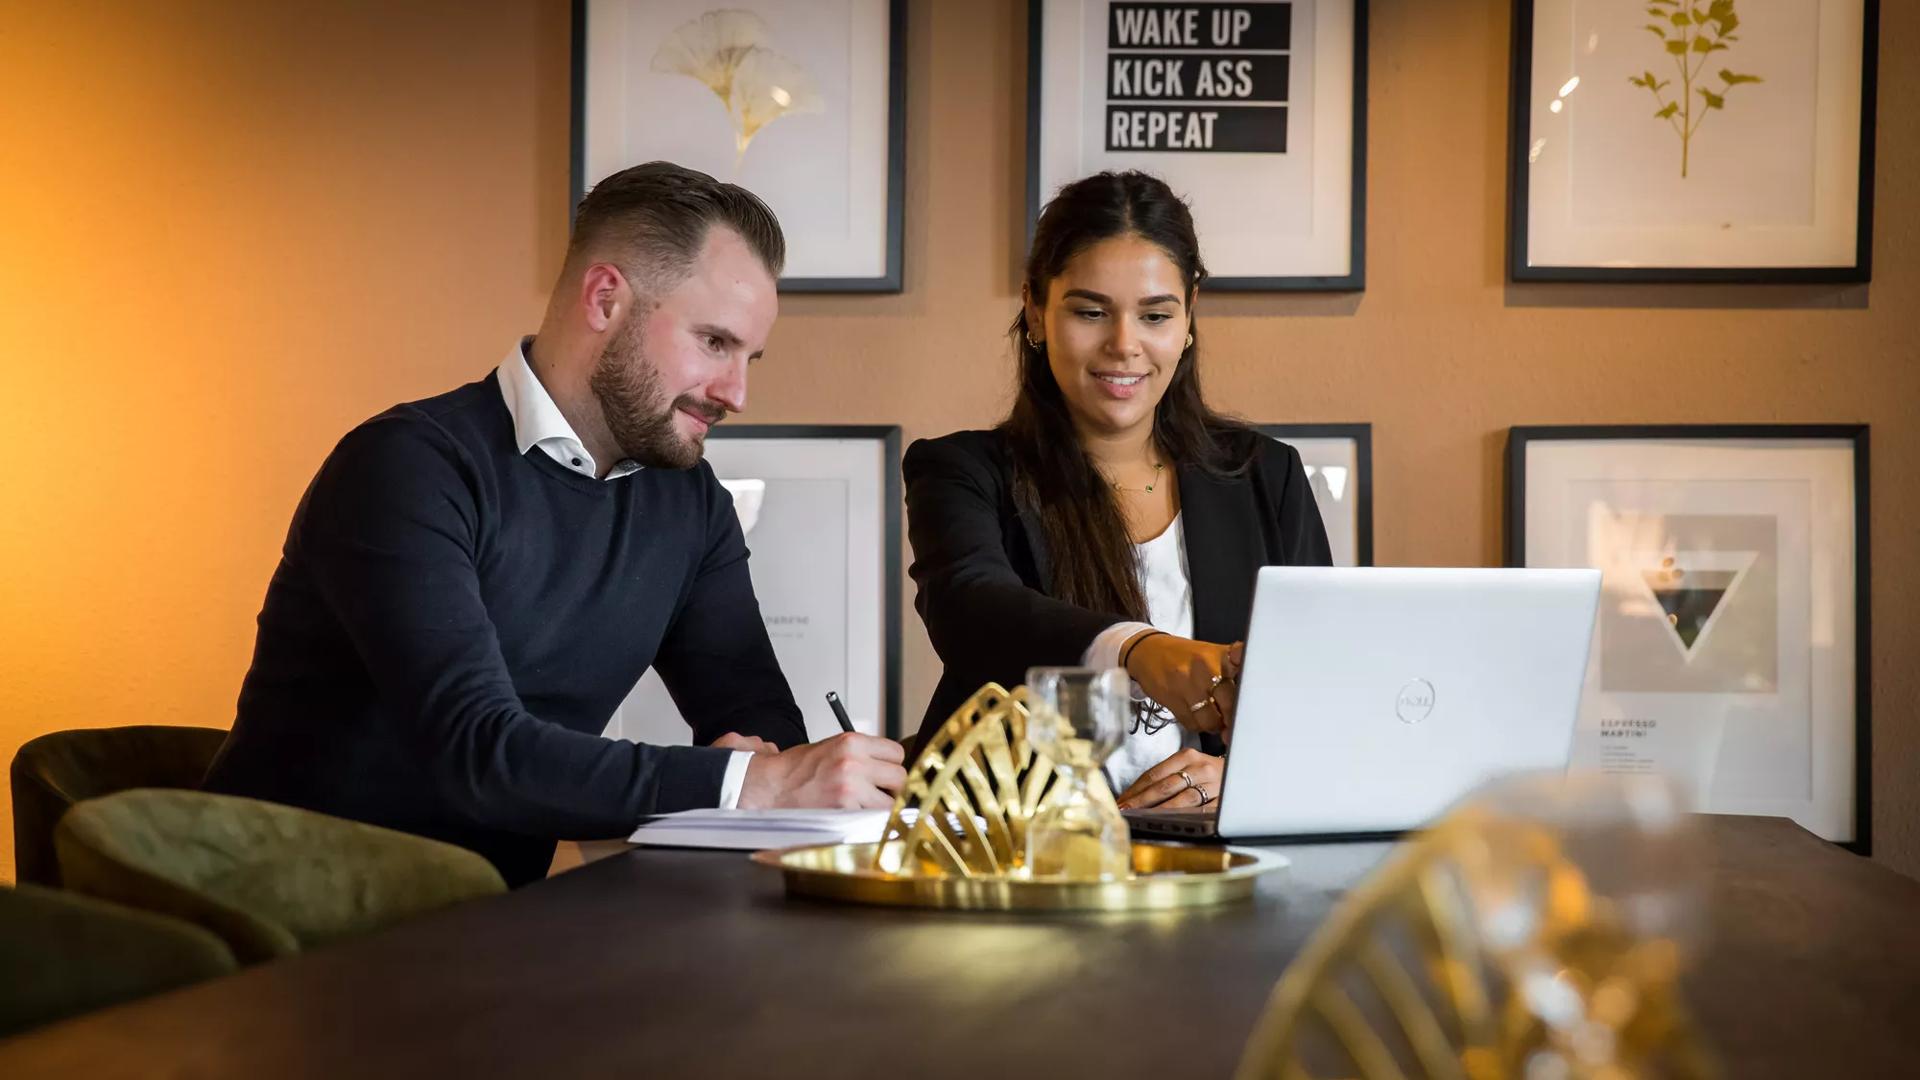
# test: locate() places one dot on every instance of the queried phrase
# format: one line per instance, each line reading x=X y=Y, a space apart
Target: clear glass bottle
x=1077 y=717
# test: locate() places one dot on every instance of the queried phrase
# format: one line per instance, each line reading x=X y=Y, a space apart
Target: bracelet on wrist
x=1127 y=653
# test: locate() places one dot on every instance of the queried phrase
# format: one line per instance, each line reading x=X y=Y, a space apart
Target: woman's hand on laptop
x=1196 y=680
x=1184 y=781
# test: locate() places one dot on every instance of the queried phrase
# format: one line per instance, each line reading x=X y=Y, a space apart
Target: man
x=474 y=582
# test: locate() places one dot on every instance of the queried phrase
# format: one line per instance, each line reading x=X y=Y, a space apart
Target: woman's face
x=1114 y=323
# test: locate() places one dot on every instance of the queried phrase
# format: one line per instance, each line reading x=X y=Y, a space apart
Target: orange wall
x=230 y=231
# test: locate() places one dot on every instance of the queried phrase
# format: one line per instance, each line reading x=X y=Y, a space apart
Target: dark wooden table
x=658 y=963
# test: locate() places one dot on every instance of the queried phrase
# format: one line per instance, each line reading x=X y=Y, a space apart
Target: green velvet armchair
x=269 y=880
x=64 y=954
x=56 y=770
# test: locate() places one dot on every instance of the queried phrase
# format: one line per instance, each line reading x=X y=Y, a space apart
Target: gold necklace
x=1148 y=490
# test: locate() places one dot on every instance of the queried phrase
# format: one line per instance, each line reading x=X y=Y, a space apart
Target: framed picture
x=802 y=102
x=1255 y=112
x=1339 y=463
x=1692 y=140
x=1731 y=647
x=820 y=505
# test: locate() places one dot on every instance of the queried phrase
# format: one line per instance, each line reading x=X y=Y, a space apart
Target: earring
x=1189 y=341
x=1038 y=346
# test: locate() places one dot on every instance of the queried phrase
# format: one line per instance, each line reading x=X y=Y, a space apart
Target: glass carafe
x=1077 y=717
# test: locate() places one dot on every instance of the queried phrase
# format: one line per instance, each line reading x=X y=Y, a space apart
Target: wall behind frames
x=230 y=231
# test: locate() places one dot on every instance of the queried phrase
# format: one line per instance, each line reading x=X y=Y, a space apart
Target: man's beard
x=641 y=420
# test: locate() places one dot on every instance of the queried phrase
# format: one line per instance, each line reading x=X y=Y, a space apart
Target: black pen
x=839 y=712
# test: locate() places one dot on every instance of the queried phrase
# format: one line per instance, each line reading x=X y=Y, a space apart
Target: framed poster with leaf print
x=1692 y=140
x=802 y=102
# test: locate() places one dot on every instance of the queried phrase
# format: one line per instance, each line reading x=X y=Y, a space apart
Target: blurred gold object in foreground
x=1536 y=931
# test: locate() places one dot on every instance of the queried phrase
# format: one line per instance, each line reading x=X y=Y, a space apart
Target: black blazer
x=981 y=568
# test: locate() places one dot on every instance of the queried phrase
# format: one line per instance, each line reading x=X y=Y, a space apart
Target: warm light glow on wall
x=230 y=232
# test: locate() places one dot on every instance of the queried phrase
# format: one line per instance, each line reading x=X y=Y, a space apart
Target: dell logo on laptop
x=1415 y=702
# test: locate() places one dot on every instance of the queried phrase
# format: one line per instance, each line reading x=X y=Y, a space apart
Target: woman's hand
x=1187 y=779
x=1197 y=681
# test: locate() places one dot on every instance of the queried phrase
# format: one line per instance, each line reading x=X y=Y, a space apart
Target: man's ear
x=604 y=296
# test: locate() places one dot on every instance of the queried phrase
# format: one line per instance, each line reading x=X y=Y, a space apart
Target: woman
x=1112 y=519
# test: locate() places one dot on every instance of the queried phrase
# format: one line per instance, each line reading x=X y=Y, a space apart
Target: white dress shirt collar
x=537 y=421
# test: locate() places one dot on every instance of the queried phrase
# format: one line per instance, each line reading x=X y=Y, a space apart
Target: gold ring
x=1188 y=779
x=1198 y=705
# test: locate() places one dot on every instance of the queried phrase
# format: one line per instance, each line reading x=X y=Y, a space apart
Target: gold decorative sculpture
x=958 y=834
x=1500 y=944
x=971 y=793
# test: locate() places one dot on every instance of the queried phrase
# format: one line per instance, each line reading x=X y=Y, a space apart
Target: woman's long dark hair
x=1086 y=533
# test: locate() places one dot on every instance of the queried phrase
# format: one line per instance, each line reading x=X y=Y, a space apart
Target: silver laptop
x=1373 y=698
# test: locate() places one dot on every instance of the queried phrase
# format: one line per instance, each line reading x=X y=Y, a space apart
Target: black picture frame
x=893 y=497
x=1362 y=436
x=1519 y=438
x=1355 y=280
x=892 y=280
x=1520 y=138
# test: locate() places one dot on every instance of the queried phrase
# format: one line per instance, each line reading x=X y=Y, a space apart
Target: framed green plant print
x=1692 y=140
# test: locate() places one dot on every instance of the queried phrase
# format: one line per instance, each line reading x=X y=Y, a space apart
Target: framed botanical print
x=802 y=102
x=1254 y=112
x=820 y=506
x=1731 y=648
x=1338 y=459
x=1692 y=140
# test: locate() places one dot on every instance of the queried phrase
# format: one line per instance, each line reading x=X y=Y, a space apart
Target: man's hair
x=652 y=219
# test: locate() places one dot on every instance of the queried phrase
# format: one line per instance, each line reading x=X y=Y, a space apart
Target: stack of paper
x=754 y=830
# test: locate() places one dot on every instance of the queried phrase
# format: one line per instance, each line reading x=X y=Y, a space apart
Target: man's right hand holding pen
x=848 y=771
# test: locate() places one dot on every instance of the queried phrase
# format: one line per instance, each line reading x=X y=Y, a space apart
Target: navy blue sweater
x=452 y=623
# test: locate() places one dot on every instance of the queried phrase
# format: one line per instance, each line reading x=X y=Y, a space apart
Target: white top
x=1162 y=565
x=537 y=421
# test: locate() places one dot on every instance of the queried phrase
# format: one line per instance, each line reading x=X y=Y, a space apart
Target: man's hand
x=849 y=771
x=736 y=741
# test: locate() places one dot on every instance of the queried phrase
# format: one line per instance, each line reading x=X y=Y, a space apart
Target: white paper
x=756 y=830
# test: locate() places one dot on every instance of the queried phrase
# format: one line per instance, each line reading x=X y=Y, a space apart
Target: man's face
x=674 y=370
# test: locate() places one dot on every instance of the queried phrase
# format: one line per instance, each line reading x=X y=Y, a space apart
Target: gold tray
x=1166 y=876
